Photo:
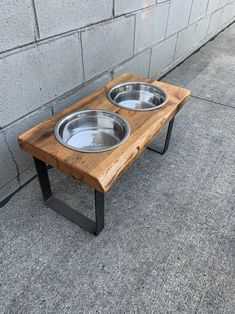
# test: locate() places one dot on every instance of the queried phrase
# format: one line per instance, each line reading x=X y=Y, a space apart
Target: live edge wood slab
x=101 y=170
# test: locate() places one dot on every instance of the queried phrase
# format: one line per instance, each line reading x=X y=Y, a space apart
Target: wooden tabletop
x=101 y=170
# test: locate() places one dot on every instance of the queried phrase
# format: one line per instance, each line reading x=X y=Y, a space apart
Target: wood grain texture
x=101 y=170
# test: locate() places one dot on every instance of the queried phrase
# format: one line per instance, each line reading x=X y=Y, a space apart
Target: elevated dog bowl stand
x=99 y=170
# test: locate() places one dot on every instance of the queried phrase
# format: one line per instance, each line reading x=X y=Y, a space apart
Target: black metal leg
x=43 y=178
x=65 y=210
x=167 y=141
x=99 y=211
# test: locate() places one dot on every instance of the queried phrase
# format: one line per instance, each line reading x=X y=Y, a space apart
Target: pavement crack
x=212 y=101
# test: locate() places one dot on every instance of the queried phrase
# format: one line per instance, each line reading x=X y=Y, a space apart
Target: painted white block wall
x=34 y=76
x=60 y=16
x=53 y=53
x=17 y=24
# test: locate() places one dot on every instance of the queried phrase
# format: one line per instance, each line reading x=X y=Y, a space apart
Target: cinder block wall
x=53 y=53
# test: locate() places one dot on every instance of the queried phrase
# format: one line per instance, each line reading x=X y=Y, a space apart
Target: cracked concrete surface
x=168 y=242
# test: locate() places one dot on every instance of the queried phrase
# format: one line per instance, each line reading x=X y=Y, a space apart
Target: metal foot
x=84 y=222
x=167 y=141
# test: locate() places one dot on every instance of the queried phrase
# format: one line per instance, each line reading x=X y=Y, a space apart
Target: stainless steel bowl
x=137 y=96
x=92 y=130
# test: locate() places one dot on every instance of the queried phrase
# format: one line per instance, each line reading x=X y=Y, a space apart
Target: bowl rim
x=110 y=90
x=106 y=112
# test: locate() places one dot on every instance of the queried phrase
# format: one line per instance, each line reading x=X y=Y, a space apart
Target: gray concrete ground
x=168 y=243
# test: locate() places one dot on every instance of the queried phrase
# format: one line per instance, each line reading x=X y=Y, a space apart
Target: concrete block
x=17 y=23
x=7 y=165
x=223 y=3
x=22 y=159
x=185 y=41
x=106 y=45
x=80 y=92
x=162 y=55
x=198 y=10
x=8 y=189
x=151 y=26
x=28 y=174
x=123 y=6
x=214 y=22
x=212 y=6
x=59 y=16
x=201 y=30
x=178 y=15
x=138 y=65
x=226 y=14
x=233 y=10
x=33 y=77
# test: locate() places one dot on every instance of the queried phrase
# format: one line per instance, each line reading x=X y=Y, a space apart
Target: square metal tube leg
x=167 y=141
x=84 y=222
x=43 y=179
x=99 y=211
